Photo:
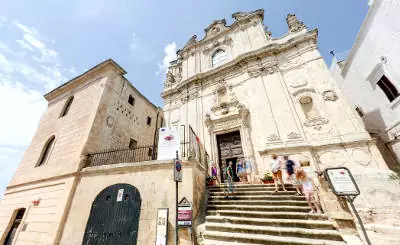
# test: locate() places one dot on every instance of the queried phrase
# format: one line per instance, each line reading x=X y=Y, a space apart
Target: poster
x=342 y=182
x=162 y=226
x=120 y=194
x=168 y=143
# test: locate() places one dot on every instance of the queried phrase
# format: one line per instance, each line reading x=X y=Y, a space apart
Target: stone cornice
x=85 y=77
x=239 y=22
x=243 y=59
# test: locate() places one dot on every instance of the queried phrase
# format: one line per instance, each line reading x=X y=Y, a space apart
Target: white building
x=370 y=76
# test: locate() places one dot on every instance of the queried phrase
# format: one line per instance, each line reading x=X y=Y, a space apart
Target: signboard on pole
x=162 y=226
x=168 y=143
x=184 y=213
x=178 y=170
x=342 y=182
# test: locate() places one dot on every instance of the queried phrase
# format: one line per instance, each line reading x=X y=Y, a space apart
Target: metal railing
x=191 y=149
x=113 y=156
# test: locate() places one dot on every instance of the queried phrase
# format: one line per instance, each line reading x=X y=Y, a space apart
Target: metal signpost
x=343 y=185
x=178 y=178
x=184 y=213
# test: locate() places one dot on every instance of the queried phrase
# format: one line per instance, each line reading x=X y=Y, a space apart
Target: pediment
x=215 y=28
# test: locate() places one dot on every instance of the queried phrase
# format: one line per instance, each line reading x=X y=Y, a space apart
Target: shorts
x=277 y=175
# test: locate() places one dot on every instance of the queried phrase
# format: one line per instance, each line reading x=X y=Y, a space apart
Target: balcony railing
x=191 y=149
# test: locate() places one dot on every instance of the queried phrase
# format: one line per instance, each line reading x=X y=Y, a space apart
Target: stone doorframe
x=238 y=121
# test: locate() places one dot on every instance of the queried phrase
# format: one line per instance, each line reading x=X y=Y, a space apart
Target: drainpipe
x=154 y=138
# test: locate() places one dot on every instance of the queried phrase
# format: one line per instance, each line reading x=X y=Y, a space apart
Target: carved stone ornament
x=294 y=24
x=169 y=79
x=263 y=71
x=273 y=137
x=330 y=95
x=293 y=135
x=299 y=82
x=267 y=32
x=243 y=15
x=110 y=121
x=316 y=122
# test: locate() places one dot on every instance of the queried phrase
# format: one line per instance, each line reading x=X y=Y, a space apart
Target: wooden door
x=229 y=147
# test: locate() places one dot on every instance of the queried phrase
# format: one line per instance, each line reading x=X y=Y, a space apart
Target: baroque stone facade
x=277 y=93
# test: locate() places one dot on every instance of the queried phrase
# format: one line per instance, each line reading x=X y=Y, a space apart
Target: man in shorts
x=290 y=168
x=276 y=166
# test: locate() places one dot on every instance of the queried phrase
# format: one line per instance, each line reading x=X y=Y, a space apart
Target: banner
x=168 y=143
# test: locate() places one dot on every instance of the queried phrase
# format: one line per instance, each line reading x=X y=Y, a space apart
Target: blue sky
x=45 y=43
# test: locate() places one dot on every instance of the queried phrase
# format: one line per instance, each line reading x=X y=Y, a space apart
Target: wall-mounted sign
x=168 y=143
x=178 y=170
x=162 y=226
x=184 y=213
x=341 y=181
x=120 y=195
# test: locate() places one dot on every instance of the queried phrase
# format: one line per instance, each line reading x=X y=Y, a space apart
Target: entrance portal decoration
x=114 y=217
x=230 y=149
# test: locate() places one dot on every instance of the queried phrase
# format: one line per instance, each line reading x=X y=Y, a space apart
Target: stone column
x=244 y=113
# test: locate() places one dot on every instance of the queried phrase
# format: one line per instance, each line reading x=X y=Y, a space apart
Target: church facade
x=249 y=95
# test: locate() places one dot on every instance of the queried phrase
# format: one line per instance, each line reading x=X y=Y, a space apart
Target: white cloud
x=170 y=55
x=5 y=65
x=34 y=41
x=25 y=45
x=25 y=28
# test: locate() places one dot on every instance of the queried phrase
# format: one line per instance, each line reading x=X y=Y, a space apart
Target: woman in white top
x=276 y=166
x=307 y=185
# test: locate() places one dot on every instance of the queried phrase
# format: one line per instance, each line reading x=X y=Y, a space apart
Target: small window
x=131 y=100
x=359 y=111
x=66 y=107
x=388 y=88
x=132 y=144
x=46 y=151
x=218 y=58
x=148 y=121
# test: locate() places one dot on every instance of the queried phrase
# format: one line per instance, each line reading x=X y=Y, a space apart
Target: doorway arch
x=16 y=220
x=114 y=216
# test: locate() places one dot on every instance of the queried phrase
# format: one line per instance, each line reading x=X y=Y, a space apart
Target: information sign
x=168 y=143
x=184 y=213
x=341 y=181
x=162 y=226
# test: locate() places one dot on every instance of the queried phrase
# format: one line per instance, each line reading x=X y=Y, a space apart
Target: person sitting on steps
x=276 y=166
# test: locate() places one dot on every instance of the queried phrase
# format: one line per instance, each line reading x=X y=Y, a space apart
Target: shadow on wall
x=375 y=125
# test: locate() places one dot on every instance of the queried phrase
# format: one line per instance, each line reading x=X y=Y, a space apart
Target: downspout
x=154 y=138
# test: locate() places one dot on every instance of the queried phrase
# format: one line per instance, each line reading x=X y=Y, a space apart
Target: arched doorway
x=14 y=227
x=114 y=217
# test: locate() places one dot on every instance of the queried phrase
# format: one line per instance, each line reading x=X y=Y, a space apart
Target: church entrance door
x=229 y=149
x=114 y=217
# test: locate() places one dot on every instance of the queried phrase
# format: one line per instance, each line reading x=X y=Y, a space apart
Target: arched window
x=46 y=151
x=219 y=58
x=67 y=106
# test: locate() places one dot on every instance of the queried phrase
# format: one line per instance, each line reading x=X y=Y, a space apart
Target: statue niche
x=225 y=99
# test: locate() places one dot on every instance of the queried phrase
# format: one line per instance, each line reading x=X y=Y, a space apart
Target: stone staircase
x=257 y=215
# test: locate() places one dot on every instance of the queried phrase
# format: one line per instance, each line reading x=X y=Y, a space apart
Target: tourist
x=290 y=169
x=229 y=178
x=240 y=170
x=308 y=189
x=248 y=171
x=214 y=172
x=276 y=166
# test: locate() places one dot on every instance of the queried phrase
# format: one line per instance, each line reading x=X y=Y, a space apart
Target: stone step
x=273 y=215
x=260 y=208
x=217 y=237
x=244 y=186
x=254 y=193
x=266 y=188
x=310 y=224
x=275 y=231
x=258 y=202
x=258 y=197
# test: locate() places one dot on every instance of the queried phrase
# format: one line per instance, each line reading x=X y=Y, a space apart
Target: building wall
x=117 y=121
x=42 y=221
x=70 y=131
x=156 y=187
x=374 y=54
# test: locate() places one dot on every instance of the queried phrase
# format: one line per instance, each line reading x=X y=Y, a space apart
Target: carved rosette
x=329 y=95
x=262 y=71
x=293 y=136
x=273 y=137
x=316 y=123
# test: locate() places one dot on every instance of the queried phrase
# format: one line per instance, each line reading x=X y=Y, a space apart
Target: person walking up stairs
x=258 y=215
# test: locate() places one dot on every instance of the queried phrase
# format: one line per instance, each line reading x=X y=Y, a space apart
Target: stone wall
x=154 y=180
x=42 y=222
